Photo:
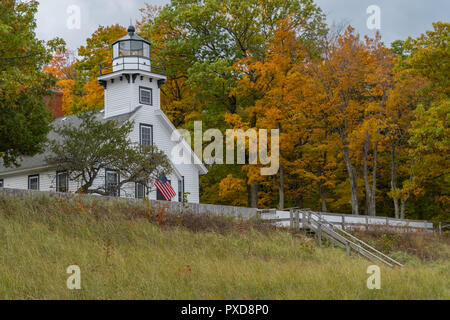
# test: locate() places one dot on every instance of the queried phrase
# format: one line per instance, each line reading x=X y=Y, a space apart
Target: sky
x=398 y=18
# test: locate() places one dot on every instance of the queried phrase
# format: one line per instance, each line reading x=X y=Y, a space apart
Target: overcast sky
x=399 y=18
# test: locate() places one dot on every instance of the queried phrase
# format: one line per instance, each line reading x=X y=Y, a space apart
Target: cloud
x=399 y=19
x=52 y=17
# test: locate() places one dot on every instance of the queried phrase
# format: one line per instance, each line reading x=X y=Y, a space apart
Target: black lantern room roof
x=131 y=36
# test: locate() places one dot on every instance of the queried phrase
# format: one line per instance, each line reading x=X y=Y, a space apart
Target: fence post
x=440 y=228
x=304 y=222
x=343 y=223
x=319 y=234
x=347 y=248
x=367 y=223
x=291 y=216
x=297 y=220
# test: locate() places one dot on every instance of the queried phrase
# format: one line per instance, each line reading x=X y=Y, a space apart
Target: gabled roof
x=38 y=162
x=171 y=128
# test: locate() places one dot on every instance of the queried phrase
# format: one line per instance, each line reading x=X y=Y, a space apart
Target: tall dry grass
x=134 y=252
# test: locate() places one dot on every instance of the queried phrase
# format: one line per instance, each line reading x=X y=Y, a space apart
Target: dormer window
x=145 y=96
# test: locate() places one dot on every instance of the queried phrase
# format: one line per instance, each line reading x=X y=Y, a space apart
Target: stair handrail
x=322 y=221
x=340 y=238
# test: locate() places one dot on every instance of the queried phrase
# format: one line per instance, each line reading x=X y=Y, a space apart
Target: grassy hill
x=128 y=251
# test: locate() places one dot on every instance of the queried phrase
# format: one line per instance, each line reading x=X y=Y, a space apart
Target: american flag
x=163 y=185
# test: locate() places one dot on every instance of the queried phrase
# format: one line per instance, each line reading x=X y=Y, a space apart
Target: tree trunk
x=402 y=210
x=370 y=190
x=405 y=197
x=322 y=189
x=281 y=189
x=252 y=190
x=394 y=179
x=353 y=181
x=373 y=200
x=366 y=182
x=396 y=208
x=323 y=202
x=323 y=196
x=300 y=201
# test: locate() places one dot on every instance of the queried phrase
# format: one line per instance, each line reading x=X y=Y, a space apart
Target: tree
x=62 y=68
x=353 y=78
x=77 y=77
x=273 y=86
x=402 y=101
x=200 y=40
x=426 y=60
x=24 y=118
x=92 y=147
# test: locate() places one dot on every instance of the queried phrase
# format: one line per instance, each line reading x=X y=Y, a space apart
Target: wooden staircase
x=313 y=222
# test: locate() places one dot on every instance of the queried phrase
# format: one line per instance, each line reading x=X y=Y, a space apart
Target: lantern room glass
x=131 y=48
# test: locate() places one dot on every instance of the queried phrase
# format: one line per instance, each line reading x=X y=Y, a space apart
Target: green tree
x=88 y=149
x=429 y=139
x=24 y=118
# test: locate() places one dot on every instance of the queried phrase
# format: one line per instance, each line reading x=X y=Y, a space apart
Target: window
x=181 y=190
x=33 y=182
x=140 y=191
x=159 y=195
x=146 y=50
x=136 y=48
x=145 y=96
x=111 y=183
x=1 y=183
x=145 y=134
x=124 y=48
x=62 y=181
x=116 y=50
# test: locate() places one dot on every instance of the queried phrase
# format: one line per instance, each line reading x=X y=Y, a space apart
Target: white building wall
x=47 y=182
x=117 y=97
x=162 y=139
x=122 y=97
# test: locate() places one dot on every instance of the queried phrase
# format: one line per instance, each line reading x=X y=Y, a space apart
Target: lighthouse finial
x=131 y=28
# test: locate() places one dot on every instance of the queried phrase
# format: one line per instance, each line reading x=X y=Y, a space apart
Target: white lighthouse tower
x=129 y=80
x=132 y=92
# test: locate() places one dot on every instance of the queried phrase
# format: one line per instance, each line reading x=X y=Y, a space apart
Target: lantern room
x=131 y=53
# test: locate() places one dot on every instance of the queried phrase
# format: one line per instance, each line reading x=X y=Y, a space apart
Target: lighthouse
x=132 y=92
x=129 y=79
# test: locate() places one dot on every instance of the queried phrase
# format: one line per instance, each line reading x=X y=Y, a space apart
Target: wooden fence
x=345 y=221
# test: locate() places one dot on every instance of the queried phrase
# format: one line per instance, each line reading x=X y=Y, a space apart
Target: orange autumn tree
x=62 y=68
x=77 y=78
x=353 y=78
x=279 y=87
x=98 y=50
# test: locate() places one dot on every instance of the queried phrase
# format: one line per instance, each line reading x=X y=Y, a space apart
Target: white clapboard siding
x=162 y=139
